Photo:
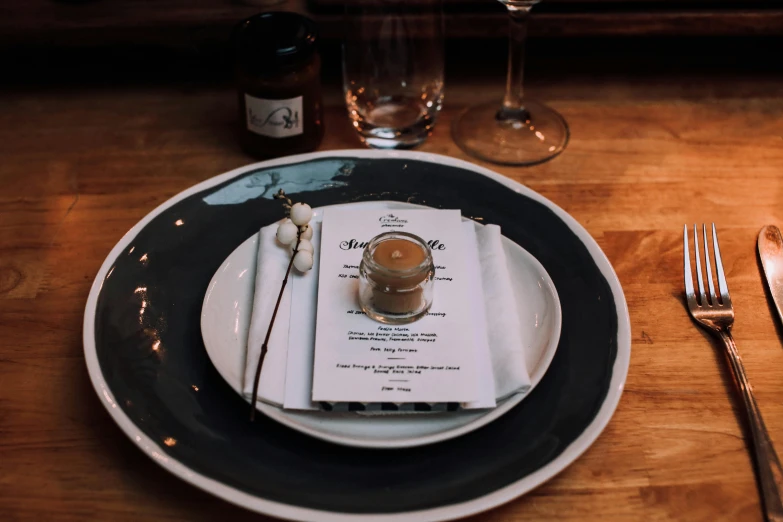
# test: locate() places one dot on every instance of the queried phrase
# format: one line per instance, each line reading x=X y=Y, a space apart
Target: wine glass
x=518 y=131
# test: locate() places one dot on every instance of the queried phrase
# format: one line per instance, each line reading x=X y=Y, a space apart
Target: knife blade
x=770 y=246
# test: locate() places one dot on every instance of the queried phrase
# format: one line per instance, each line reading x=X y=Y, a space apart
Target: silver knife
x=770 y=247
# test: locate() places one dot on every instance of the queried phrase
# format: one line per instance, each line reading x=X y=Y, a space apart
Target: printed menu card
x=360 y=360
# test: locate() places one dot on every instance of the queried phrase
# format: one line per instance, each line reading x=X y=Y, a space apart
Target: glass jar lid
x=270 y=42
x=388 y=272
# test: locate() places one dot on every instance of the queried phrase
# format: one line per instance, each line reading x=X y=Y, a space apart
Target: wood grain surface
x=79 y=167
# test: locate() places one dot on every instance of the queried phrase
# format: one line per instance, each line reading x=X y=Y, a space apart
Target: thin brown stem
x=264 y=346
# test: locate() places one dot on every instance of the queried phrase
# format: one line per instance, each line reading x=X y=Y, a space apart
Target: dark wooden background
x=193 y=22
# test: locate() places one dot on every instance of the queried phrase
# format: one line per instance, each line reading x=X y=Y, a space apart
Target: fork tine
x=708 y=270
x=722 y=286
x=688 y=273
x=699 y=277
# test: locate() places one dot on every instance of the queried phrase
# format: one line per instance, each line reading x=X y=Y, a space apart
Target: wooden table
x=79 y=167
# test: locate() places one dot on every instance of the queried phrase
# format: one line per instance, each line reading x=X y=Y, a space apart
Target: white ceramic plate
x=225 y=323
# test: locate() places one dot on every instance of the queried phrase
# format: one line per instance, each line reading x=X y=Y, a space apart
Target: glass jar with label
x=278 y=84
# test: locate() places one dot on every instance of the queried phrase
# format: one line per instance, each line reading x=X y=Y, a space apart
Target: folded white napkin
x=500 y=306
x=271 y=267
x=507 y=353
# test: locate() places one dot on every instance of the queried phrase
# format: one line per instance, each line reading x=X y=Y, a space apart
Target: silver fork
x=717 y=315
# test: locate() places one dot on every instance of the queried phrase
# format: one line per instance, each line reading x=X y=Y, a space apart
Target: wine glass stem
x=517 y=35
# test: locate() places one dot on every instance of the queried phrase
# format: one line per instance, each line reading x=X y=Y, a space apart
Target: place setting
x=362 y=334
x=415 y=348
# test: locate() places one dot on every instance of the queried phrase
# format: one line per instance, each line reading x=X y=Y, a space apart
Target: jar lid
x=403 y=278
x=267 y=42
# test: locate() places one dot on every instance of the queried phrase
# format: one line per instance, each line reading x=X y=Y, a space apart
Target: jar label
x=274 y=118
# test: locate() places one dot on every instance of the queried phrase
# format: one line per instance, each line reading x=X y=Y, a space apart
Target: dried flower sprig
x=297 y=232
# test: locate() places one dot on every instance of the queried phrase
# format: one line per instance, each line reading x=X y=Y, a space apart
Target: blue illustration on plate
x=264 y=183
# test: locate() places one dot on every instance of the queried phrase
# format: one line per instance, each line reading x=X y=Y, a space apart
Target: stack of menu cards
x=441 y=358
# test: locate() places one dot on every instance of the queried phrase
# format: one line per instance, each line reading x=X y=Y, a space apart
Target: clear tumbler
x=393 y=70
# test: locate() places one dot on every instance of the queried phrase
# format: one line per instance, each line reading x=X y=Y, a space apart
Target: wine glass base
x=522 y=137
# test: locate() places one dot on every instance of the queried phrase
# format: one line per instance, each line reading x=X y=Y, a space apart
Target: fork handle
x=768 y=469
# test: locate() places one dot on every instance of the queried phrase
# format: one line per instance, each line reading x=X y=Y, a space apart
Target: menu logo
x=390 y=220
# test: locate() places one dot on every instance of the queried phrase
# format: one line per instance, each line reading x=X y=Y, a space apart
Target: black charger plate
x=148 y=364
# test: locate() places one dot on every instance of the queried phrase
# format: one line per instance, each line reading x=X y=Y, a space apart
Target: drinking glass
x=393 y=70
x=518 y=130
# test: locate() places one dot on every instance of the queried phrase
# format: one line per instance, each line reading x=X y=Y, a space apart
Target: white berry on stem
x=301 y=214
x=306 y=232
x=303 y=245
x=303 y=260
x=286 y=232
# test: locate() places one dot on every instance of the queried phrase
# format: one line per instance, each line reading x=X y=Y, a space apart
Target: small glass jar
x=278 y=84
x=396 y=278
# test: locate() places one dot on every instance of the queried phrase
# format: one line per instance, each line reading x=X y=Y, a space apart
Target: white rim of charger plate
x=448 y=512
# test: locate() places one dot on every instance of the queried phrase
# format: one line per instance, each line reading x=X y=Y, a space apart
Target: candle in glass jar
x=396 y=278
x=399 y=254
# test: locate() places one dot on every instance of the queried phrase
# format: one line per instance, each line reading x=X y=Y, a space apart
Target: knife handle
x=768 y=468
